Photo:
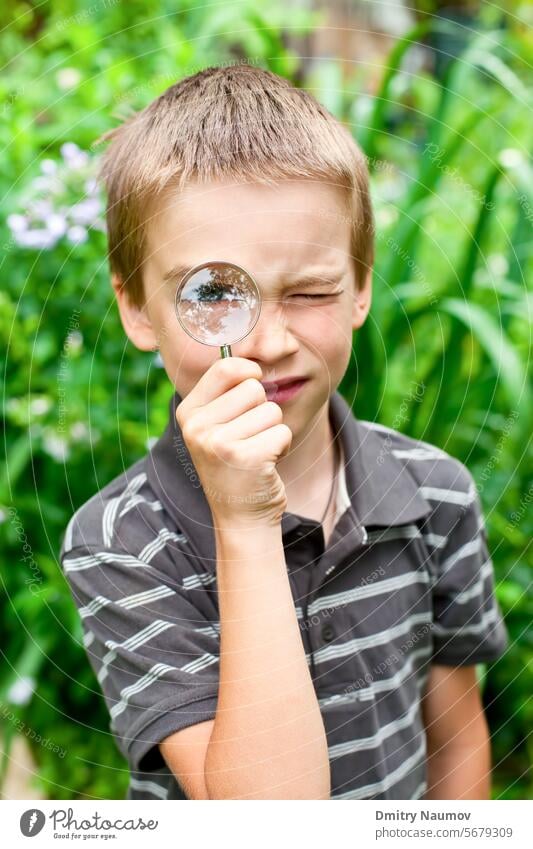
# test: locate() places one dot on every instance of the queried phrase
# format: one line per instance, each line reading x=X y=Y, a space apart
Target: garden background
x=440 y=100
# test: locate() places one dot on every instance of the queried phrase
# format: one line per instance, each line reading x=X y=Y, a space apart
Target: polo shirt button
x=327 y=633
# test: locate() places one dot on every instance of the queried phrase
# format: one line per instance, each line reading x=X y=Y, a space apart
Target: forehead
x=290 y=225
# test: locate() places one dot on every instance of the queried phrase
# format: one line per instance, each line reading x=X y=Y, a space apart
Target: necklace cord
x=336 y=455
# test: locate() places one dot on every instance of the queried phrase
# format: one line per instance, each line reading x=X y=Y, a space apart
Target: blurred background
x=439 y=97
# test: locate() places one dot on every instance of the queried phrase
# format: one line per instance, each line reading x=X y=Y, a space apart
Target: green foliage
x=452 y=315
x=453 y=199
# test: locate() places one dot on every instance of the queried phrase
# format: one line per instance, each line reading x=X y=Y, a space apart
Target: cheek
x=185 y=360
x=327 y=329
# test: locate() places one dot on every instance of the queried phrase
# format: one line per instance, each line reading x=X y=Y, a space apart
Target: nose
x=271 y=339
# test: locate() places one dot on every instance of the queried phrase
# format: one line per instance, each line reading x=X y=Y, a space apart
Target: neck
x=307 y=470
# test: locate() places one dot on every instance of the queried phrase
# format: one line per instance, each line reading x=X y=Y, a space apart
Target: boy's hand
x=235 y=438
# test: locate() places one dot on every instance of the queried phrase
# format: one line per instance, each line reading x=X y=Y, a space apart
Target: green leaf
x=376 y=123
x=496 y=345
x=18 y=456
x=501 y=72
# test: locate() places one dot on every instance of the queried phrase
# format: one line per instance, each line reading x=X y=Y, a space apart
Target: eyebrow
x=328 y=279
x=323 y=282
x=177 y=272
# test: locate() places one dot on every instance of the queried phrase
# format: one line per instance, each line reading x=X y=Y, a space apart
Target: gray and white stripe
x=201 y=579
x=132 y=643
x=449 y=496
x=128 y=602
x=111 y=508
x=155 y=672
x=392 y=778
x=358 y=643
x=150 y=787
x=350 y=746
x=382 y=685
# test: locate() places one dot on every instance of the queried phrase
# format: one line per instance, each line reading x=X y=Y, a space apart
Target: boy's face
x=280 y=234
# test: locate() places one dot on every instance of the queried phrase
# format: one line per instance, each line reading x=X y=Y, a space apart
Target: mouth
x=283 y=390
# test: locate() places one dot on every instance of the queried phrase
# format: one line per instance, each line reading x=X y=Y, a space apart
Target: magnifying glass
x=218 y=303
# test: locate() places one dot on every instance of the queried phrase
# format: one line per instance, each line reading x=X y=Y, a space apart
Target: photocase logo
x=32 y=822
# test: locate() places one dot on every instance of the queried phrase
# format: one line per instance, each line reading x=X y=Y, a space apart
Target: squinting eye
x=310 y=297
x=317 y=297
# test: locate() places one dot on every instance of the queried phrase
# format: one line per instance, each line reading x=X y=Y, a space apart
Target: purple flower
x=51 y=210
x=40 y=208
x=86 y=211
x=42 y=239
x=77 y=234
x=17 y=223
x=73 y=156
x=21 y=691
x=48 y=166
x=91 y=186
x=56 y=224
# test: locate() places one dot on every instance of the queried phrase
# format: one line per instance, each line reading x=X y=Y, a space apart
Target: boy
x=279 y=600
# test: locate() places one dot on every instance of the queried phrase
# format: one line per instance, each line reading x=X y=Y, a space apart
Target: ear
x=135 y=320
x=361 y=301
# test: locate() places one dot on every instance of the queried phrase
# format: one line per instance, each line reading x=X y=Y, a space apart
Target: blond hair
x=239 y=121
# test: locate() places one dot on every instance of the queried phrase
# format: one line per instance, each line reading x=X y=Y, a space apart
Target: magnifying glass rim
x=199 y=267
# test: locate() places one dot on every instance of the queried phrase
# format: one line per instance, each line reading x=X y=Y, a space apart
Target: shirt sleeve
x=468 y=626
x=154 y=653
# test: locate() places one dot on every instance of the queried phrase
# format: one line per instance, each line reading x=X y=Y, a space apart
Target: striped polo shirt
x=405 y=580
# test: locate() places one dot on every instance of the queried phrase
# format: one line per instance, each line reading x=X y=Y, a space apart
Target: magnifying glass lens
x=218 y=303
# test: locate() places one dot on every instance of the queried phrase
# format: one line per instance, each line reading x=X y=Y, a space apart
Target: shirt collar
x=380 y=486
x=381 y=489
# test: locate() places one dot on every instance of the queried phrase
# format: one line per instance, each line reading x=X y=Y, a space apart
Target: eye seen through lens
x=218 y=303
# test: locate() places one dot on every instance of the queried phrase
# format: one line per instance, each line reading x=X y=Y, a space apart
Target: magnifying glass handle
x=225 y=351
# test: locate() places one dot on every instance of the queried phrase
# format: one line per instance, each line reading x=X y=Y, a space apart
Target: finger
x=252 y=422
x=277 y=439
x=220 y=377
x=234 y=403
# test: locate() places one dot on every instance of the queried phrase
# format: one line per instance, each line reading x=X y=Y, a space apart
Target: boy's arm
x=267 y=740
x=459 y=761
